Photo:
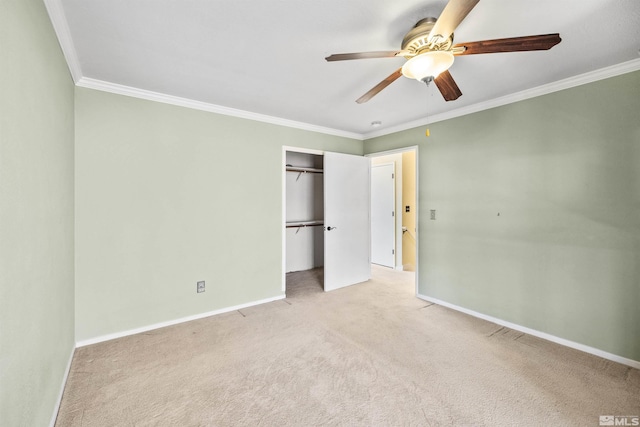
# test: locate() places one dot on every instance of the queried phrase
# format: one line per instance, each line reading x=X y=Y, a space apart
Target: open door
x=346 y=220
x=383 y=210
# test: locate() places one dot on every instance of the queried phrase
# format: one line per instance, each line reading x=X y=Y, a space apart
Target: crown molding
x=581 y=79
x=61 y=28
x=212 y=108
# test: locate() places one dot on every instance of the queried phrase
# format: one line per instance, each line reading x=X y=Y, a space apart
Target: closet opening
x=394 y=213
x=326 y=227
x=304 y=222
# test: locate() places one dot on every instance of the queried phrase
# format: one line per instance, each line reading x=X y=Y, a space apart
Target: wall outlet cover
x=200 y=287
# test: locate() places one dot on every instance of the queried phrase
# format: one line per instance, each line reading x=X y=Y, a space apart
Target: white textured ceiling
x=267 y=57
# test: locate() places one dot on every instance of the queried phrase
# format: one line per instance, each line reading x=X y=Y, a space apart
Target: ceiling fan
x=430 y=51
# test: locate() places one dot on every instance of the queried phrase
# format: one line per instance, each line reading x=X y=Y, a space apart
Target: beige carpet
x=367 y=355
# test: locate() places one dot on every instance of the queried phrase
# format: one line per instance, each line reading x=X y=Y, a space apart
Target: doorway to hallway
x=394 y=209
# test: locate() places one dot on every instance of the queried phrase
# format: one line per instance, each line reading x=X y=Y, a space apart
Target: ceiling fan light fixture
x=427 y=66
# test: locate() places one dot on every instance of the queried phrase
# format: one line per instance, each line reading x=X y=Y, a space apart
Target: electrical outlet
x=433 y=214
x=200 y=287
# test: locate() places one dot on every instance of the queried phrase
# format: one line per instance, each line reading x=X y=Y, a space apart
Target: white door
x=346 y=220
x=383 y=221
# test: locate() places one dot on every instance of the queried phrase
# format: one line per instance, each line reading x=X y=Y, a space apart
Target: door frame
x=414 y=148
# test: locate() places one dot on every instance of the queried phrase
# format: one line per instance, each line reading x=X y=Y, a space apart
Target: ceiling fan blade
x=513 y=44
x=453 y=14
x=365 y=55
x=447 y=86
x=377 y=88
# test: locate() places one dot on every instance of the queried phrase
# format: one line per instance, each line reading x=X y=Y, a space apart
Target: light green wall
x=562 y=172
x=167 y=196
x=36 y=215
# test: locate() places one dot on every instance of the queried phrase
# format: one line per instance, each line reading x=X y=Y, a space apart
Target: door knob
x=331 y=228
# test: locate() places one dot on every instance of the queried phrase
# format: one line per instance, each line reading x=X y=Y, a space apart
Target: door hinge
x=393 y=251
x=393 y=213
x=393 y=175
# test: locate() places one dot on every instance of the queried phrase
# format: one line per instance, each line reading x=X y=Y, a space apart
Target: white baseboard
x=115 y=335
x=543 y=335
x=56 y=408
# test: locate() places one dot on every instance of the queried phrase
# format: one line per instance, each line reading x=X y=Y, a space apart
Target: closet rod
x=303 y=170
x=303 y=225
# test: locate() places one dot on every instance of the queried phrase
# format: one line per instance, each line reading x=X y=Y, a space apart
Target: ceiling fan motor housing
x=417 y=41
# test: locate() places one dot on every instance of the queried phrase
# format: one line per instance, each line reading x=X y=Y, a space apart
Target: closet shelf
x=302 y=169
x=298 y=224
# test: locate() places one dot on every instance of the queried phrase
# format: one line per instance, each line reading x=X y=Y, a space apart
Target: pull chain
x=427 y=133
